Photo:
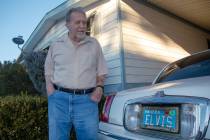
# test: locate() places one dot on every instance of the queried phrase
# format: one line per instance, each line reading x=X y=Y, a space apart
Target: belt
x=74 y=91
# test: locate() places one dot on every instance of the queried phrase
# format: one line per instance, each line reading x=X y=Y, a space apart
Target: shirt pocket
x=88 y=60
x=62 y=57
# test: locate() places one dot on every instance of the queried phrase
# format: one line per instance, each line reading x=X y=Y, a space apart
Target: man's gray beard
x=81 y=36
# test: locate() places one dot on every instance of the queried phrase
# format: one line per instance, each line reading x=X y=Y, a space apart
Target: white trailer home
x=138 y=37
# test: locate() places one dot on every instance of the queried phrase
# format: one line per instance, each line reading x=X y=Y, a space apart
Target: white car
x=175 y=107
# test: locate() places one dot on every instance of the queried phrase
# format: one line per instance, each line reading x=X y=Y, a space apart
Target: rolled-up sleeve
x=101 y=63
x=49 y=64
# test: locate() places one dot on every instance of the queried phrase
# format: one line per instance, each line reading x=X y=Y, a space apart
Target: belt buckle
x=74 y=92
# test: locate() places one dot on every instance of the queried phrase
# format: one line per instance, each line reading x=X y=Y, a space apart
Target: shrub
x=23 y=118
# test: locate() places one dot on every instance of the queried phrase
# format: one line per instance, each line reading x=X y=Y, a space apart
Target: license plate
x=160 y=118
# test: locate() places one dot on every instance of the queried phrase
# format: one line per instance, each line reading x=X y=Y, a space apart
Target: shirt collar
x=84 y=41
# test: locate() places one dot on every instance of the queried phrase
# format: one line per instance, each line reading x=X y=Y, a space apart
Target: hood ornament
x=159 y=94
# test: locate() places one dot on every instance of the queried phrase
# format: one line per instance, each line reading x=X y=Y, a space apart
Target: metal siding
x=152 y=39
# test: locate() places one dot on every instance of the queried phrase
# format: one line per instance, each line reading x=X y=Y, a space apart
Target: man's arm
x=102 y=71
x=48 y=67
x=49 y=85
x=100 y=80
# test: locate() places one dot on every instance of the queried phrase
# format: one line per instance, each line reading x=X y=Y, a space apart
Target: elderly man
x=75 y=70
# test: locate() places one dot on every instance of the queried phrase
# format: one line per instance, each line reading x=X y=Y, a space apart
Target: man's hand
x=97 y=94
x=49 y=86
x=50 y=90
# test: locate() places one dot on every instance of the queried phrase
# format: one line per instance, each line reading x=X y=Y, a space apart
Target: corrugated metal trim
x=122 y=57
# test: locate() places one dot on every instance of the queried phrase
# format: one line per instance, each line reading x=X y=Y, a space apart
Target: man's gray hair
x=76 y=9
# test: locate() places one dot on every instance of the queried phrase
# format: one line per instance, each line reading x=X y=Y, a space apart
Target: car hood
x=198 y=87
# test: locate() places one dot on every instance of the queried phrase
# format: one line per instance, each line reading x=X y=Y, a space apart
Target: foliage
x=14 y=79
x=23 y=118
x=34 y=63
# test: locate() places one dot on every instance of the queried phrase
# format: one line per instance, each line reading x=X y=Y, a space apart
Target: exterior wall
x=109 y=39
x=152 y=39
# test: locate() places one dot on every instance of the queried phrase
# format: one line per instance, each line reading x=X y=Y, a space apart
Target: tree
x=34 y=63
x=14 y=79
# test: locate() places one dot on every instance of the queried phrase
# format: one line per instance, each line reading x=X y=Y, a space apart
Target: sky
x=20 y=17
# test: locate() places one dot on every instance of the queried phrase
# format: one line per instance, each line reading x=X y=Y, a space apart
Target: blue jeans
x=65 y=110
